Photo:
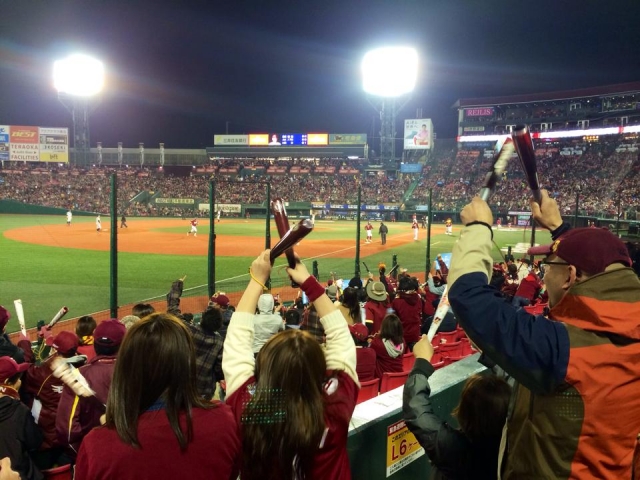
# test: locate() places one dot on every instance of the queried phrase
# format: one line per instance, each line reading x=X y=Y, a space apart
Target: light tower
x=78 y=79
x=388 y=74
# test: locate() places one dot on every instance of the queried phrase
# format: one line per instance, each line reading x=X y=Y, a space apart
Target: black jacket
x=19 y=435
x=451 y=452
x=8 y=349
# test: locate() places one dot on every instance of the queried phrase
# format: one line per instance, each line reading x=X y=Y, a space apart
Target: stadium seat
x=448 y=337
x=58 y=473
x=408 y=359
x=537 y=309
x=453 y=349
x=368 y=390
x=467 y=348
x=448 y=360
x=391 y=380
x=436 y=356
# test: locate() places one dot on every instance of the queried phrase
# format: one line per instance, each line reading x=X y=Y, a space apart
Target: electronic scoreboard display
x=293 y=139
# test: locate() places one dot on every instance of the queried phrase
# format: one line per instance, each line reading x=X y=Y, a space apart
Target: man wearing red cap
x=576 y=407
x=19 y=434
x=42 y=391
x=77 y=415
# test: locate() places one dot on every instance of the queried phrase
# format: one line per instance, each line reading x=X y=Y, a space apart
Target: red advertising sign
x=478 y=112
x=21 y=134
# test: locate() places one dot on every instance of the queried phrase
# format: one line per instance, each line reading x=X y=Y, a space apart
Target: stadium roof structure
x=607 y=90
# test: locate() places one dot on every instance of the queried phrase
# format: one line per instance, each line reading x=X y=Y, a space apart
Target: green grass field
x=47 y=277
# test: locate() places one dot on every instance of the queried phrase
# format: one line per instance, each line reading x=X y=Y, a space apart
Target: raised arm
x=340 y=350
x=238 y=363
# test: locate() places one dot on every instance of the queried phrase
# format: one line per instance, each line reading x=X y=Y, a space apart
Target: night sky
x=178 y=71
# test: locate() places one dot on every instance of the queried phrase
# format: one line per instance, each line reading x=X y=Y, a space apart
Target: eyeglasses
x=544 y=263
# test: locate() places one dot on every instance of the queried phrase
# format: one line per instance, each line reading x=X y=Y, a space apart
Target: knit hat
x=109 y=333
x=591 y=250
x=64 y=342
x=129 y=321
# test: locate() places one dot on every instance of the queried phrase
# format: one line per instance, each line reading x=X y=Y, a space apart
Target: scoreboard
x=288 y=139
x=293 y=139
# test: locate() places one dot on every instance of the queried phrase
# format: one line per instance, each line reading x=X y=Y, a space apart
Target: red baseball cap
x=109 y=333
x=221 y=300
x=64 y=342
x=4 y=317
x=591 y=250
x=9 y=367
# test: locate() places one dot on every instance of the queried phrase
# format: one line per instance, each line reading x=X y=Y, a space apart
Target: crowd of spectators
x=600 y=174
x=289 y=399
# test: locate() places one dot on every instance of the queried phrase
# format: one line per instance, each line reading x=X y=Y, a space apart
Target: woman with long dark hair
x=156 y=424
x=349 y=306
x=389 y=346
x=294 y=401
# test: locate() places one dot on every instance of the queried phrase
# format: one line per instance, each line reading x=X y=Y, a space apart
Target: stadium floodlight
x=389 y=73
x=79 y=75
x=78 y=79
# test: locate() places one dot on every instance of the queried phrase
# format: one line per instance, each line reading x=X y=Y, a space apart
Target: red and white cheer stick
x=20 y=313
x=61 y=313
x=441 y=311
x=505 y=151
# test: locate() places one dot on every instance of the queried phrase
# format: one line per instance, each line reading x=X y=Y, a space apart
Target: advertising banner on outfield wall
x=410 y=167
x=347 y=139
x=4 y=142
x=54 y=145
x=340 y=206
x=174 y=201
x=418 y=134
x=226 y=208
x=23 y=144
x=231 y=140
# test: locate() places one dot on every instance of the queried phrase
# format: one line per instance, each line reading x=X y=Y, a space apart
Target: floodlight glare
x=78 y=75
x=390 y=71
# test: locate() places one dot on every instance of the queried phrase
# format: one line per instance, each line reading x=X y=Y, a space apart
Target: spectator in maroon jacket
x=19 y=434
x=389 y=346
x=42 y=391
x=376 y=307
x=77 y=415
x=528 y=290
x=365 y=357
x=84 y=330
x=157 y=426
x=409 y=307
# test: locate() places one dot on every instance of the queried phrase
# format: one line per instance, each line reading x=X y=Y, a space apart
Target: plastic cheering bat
x=61 y=313
x=20 y=313
x=289 y=239
x=526 y=154
x=498 y=167
x=282 y=224
x=441 y=311
x=71 y=377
